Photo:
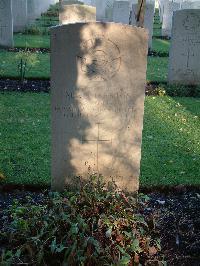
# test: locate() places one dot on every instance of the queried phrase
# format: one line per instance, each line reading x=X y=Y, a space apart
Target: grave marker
x=98 y=85
x=184 y=60
x=121 y=12
x=6 y=23
x=76 y=13
x=19 y=15
x=169 y=9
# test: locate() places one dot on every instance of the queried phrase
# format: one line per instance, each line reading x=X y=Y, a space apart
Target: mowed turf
x=170 y=151
x=156 y=71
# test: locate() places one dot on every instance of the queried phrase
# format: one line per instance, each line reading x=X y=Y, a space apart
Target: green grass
x=170 y=152
x=160 y=45
x=32 y=41
x=25 y=137
x=9 y=65
x=157 y=67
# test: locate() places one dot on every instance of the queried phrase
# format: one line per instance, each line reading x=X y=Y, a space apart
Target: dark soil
x=34 y=85
x=28 y=85
x=176 y=215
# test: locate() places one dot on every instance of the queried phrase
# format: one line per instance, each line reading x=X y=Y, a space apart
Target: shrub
x=95 y=225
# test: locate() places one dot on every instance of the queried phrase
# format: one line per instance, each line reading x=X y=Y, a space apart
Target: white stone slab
x=6 y=23
x=98 y=77
x=184 y=61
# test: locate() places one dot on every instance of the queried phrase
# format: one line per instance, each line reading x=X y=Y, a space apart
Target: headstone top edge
x=52 y=29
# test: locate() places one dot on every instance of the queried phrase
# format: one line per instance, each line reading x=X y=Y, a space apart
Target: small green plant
x=26 y=60
x=94 y=225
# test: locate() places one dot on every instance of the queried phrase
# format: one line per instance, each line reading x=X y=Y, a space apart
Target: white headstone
x=148 y=18
x=169 y=9
x=184 y=61
x=121 y=12
x=6 y=23
x=76 y=13
x=98 y=86
x=19 y=15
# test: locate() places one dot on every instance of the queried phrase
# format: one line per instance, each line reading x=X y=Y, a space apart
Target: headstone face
x=104 y=10
x=76 y=13
x=19 y=15
x=184 y=61
x=98 y=86
x=121 y=12
x=169 y=9
x=6 y=23
x=148 y=18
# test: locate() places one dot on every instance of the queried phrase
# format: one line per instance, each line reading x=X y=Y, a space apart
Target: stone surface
x=184 y=61
x=169 y=9
x=104 y=10
x=121 y=12
x=6 y=23
x=76 y=13
x=98 y=76
x=19 y=15
x=148 y=18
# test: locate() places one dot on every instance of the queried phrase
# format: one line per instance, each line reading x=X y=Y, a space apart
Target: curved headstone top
x=76 y=13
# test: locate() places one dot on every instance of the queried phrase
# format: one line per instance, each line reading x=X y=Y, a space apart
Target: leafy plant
x=94 y=225
x=26 y=60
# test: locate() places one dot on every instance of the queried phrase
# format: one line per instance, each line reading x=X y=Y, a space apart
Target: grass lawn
x=160 y=45
x=170 y=153
x=157 y=66
x=10 y=61
x=32 y=41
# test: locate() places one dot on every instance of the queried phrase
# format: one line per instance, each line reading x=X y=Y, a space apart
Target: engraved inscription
x=100 y=64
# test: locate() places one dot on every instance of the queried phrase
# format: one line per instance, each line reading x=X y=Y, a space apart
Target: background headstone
x=184 y=61
x=6 y=23
x=76 y=13
x=19 y=15
x=98 y=85
x=121 y=12
x=148 y=18
x=169 y=9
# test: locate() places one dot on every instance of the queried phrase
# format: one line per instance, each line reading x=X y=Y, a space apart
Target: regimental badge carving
x=100 y=59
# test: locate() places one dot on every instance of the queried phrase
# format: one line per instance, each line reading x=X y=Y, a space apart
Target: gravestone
x=19 y=15
x=6 y=23
x=100 y=9
x=76 y=13
x=98 y=86
x=169 y=9
x=148 y=18
x=104 y=9
x=184 y=60
x=121 y=12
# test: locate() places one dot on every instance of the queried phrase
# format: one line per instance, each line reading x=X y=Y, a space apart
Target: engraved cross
x=98 y=140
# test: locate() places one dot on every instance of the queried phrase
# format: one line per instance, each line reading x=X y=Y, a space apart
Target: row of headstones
x=15 y=15
x=98 y=77
x=168 y=7
x=108 y=11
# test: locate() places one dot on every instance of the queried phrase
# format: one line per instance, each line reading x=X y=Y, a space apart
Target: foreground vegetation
x=95 y=225
x=170 y=151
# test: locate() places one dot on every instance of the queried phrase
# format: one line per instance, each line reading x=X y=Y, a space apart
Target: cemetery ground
x=93 y=226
